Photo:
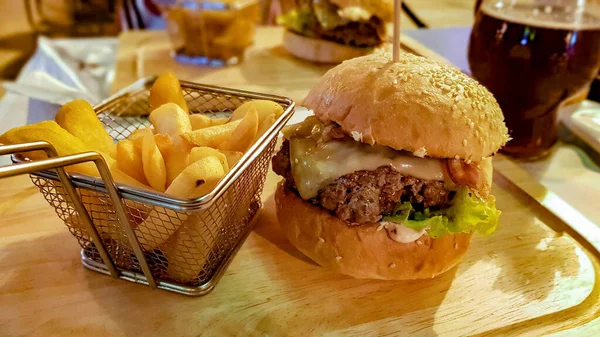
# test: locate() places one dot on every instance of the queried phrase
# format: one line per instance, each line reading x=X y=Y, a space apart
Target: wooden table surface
x=523 y=280
x=268 y=67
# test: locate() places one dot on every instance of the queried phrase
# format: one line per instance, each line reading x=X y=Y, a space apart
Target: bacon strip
x=464 y=174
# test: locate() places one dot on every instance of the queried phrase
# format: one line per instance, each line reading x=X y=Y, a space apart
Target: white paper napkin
x=59 y=71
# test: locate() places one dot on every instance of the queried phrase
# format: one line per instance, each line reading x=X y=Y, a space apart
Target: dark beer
x=532 y=58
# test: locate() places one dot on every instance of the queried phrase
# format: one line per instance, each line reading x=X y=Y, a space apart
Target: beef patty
x=356 y=33
x=364 y=196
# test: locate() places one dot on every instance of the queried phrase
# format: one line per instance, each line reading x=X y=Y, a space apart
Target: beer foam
x=550 y=17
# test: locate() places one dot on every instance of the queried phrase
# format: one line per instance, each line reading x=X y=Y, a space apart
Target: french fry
x=201 y=121
x=166 y=89
x=176 y=156
x=49 y=131
x=199 y=178
x=153 y=163
x=129 y=160
x=232 y=157
x=265 y=124
x=212 y=136
x=79 y=119
x=137 y=136
x=164 y=142
x=65 y=144
x=152 y=232
x=243 y=135
x=186 y=267
x=200 y=152
x=196 y=180
x=170 y=119
x=263 y=107
x=123 y=178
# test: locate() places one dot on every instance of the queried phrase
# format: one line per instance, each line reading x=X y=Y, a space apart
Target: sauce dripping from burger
x=401 y=233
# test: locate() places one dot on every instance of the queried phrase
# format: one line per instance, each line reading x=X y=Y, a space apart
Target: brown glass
x=532 y=69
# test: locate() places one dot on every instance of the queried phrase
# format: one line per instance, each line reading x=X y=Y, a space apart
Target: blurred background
x=21 y=21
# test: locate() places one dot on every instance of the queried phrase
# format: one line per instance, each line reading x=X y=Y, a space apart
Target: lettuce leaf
x=468 y=213
x=301 y=20
x=326 y=13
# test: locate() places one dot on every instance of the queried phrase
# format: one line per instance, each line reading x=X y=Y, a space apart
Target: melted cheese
x=401 y=233
x=316 y=165
x=354 y=13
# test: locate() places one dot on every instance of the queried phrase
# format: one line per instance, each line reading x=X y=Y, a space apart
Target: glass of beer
x=535 y=55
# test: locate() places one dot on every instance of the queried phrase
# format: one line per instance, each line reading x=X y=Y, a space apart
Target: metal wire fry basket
x=181 y=245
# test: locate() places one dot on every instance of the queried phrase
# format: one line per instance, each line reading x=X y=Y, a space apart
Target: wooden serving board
x=525 y=279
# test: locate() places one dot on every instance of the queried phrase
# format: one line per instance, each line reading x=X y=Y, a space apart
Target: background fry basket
x=180 y=245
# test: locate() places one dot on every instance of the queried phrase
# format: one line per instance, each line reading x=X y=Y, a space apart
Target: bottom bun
x=319 y=50
x=363 y=251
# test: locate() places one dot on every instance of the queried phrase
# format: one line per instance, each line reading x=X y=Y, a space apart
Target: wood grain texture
x=267 y=66
x=524 y=279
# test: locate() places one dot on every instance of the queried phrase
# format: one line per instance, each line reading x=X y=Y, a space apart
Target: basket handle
x=58 y=163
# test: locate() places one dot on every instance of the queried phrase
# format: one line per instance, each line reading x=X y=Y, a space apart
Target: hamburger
x=392 y=175
x=331 y=31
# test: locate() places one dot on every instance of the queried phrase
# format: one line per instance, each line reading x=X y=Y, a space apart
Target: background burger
x=393 y=174
x=331 y=31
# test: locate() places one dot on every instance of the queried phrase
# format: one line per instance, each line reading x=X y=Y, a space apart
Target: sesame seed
x=454 y=107
x=456 y=245
x=392 y=265
x=296 y=160
x=472 y=125
x=338 y=258
x=464 y=142
x=321 y=239
x=357 y=136
x=419 y=242
x=395 y=81
x=380 y=227
x=456 y=157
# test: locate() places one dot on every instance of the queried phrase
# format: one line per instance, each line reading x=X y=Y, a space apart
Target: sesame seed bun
x=416 y=104
x=363 y=251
